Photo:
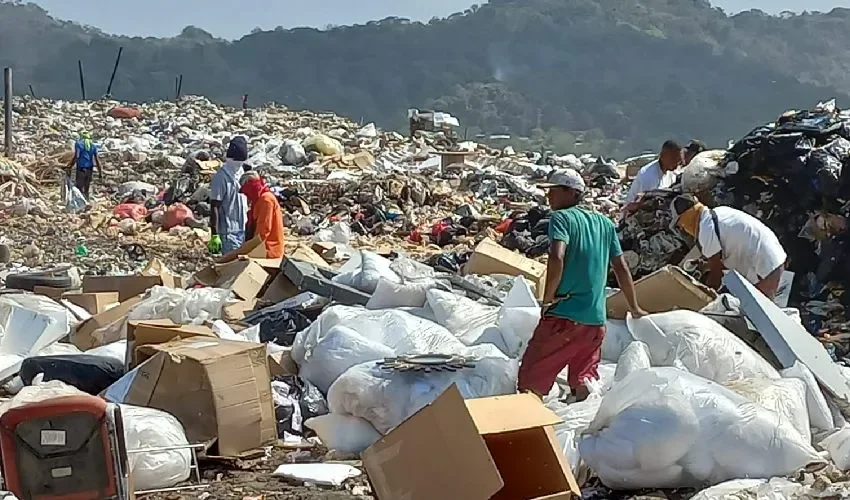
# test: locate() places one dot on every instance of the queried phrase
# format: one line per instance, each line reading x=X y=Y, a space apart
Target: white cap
x=567 y=177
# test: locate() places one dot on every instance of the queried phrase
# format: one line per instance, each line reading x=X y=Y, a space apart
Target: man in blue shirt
x=583 y=244
x=86 y=159
x=229 y=207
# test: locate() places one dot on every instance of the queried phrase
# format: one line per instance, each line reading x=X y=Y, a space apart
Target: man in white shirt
x=732 y=239
x=660 y=174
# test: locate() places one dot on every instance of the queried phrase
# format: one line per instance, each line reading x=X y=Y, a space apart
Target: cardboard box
x=218 y=389
x=159 y=331
x=282 y=364
x=244 y=277
x=664 y=290
x=82 y=336
x=491 y=258
x=94 y=303
x=126 y=286
x=237 y=311
x=502 y=448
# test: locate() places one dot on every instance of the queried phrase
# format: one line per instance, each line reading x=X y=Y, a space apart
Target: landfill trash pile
x=800 y=157
x=390 y=333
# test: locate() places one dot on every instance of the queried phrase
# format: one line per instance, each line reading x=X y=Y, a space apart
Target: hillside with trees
x=611 y=76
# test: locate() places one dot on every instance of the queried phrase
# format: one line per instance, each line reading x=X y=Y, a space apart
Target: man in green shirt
x=582 y=246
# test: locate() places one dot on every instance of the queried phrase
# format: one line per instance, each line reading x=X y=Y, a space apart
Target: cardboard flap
x=143 y=385
x=437 y=453
x=509 y=413
x=664 y=290
x=201 y=349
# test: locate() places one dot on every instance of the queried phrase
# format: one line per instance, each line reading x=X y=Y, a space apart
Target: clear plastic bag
x=635 y=358
x=337 y=351
x=74 y=200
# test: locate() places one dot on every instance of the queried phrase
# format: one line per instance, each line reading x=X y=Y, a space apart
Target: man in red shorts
x=582 y=246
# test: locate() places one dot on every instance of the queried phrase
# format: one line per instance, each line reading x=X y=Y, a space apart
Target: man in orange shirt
x=264 y=215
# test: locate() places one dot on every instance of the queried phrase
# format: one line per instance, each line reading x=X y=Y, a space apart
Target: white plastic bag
x=617 y=338
x=389 y=294
x=344 y=433
x=372 y=269
x=463 y=317
x=635 y=358
x=820 y=416
x=778 y=488
x=518 y=317
x=786 y=397
x=116 y=350
x=698 y=344
x=150 y=428
x=387 y=398
x=337 y=351
x=838 y=446
x=74 y=200
x=192 y=306
x=401 y=331
x=576 y=419
x=666 y=428
x=321 y=474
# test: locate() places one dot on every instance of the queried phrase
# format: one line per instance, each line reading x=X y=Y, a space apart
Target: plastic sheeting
x=369 y=273
x=665 y=428
x=820 y=416
x=698 y=344
x=635 y=358
x=337 y=351
x=785 y=397
x=146 y=428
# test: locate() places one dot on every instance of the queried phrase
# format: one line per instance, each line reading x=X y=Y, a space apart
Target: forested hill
x=616 y=76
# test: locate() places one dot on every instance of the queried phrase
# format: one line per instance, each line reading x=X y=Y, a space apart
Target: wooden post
x=82 y=80
x=7 y=85
x=114 y=70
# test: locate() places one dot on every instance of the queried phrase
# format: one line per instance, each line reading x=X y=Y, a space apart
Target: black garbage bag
x=449 y=262
x=90 y=374
x=278 y=324
x=295 y=401
x=827 y=169
x=520 y=242
x=540 y=247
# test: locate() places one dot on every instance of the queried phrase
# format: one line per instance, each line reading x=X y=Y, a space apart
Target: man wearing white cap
x=582 y=246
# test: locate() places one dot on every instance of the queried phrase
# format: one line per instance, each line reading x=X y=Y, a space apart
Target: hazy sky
x=232 y=18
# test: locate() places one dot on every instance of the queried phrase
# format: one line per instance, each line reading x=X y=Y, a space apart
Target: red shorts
x=557 y=343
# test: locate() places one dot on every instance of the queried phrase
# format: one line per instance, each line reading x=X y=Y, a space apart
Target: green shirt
x=592 y=242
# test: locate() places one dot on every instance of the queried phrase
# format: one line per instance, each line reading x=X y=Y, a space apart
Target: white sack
x=337 y=351
x=838 y=446
x=786 y=397
x=617 y=338
x=150 y=428
x=820 y=415
x=462 y=316
x=386 y=398
x=777 y=488
x=372 y=268
x=344 y=433
x=666 y=428
x=635 y=358
x=576 y=418
x=389 y=294
x=698 y=344
x=116 y=350
x=321 y=474
x=191 y=306
x=401 y=331
x=518 y=317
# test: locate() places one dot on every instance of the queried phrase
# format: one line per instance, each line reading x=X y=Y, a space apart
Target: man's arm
x=715 y=271
x=554 y=270
x=627 y=285
x=97 y=165
x=214 y=206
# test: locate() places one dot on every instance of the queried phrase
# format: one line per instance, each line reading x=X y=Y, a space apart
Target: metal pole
x=32 y=92
x=114 y=70
x=7 y=80
x=82 y=80
x=176 y=87
x=179 y=86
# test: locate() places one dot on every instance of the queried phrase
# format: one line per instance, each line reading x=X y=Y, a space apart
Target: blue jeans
x=231 y=241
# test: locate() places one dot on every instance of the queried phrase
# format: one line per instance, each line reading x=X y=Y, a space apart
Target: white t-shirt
x=749 y=246
x=650 y=178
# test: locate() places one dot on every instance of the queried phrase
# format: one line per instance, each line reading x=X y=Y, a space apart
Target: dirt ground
x=252 y=480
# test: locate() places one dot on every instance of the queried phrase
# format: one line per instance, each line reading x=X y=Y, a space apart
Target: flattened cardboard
x=307 y=254
x=237 y=311
x=280 y=289
x=82 y=335
x=664 y=290
x=217 y=389
x=243 y=277
x=282 y=364
x=491 y=258
x=94 y=303
x=159 y=331
x=126 y=286
x=503 y=448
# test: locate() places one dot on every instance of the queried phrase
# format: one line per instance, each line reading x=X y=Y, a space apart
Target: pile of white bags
x=698 y=344
x=146 y=428
x=666 y=428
